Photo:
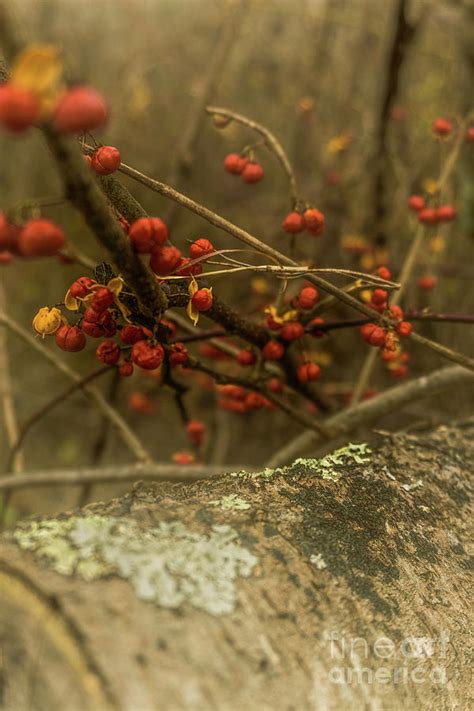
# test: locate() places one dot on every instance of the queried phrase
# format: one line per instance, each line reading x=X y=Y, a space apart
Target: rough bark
x=224 y=594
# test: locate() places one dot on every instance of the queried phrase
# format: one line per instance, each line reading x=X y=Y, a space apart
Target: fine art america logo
x=413 y=660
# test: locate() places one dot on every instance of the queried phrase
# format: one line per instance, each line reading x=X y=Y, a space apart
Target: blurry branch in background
x=130 y=440
x=184 y=156
x=115 y=475
x=16 y=463
x=403 y=35
x=410 y=262
x=270 y=141
x=391 y=400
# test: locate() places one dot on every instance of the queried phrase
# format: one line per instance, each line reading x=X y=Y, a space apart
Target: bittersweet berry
x=165 y=260
x=200 y=248
x=178 y=355
x=404 y=329
x=202 y=300
x=442 y=127
x=8 y=234
x=294 y=222
x=131 y=334
x=396 y=312
x=195 y=430
x=70 y=338
x=246 y=357
x=106 y=160
x=40 y=238
x=292 y=330
x=313 y=326
x=185 y=268
x=81 y=109
x=19 y=109
x=234 y=163
x=384 y=272
x=427 y=282
x=102 y=299
x=428 y=216
x=275 y=385
x=379 y=297
x=307 y=298
x=148 y=234
x=273 y=350
x=126 y=369
x=252 y=172
x=308 y=372
x=416 y=202
x=445 y=213
x=183 y=458
x=81 y=287
x=147 y=355
x=315 y=221
x=108 y=352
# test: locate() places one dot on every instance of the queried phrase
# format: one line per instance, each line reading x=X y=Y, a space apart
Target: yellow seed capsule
x=47 y=321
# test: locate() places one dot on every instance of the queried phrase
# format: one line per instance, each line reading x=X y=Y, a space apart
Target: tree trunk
x=339 y=583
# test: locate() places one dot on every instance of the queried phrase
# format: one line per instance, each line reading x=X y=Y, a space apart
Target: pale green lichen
x=264 y=474
x=167 y=564
x=232 y=501
x=327 y=467
x=318 y=561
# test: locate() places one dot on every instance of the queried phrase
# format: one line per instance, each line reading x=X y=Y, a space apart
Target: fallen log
x=340 y=583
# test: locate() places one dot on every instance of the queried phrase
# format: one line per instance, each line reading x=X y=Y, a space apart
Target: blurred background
x=350 y=88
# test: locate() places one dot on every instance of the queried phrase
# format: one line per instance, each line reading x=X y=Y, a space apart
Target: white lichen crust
x=168 y=564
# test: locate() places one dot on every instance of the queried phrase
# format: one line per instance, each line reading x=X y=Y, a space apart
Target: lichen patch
x=167 y=565
x=232 y=501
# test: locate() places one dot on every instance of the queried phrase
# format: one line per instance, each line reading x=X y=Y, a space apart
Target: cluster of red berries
x=78 y=110
x=238 y=399
x=249 y=170
x=36 y=238
x=311 y=220
x=431 y=215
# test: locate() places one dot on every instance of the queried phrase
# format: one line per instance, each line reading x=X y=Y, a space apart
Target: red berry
x=81 y=287
x=202 y=300
x=195 y=430
x=184 y=458
x=19 y=109
x=404 y=328
x=178 y=355
x=8 y=234
x=445 y=213
x=315 y=221
x=252 y=172
x=366 y=330
x=234 y=163
x=102 y=299
x=397 y=312
x=313 y=324
x=147 y=234
x=146 y=355
x=377 y=337
x=255 y=401
x=379 y=297
x=388 y=355
x=40 y=238
x=131 y=334
x=294 y=222
x=383 y=273
x=81 y=109
x=442 y=127
x=246 y=357
x=416 y=202
x=164 y=261
x=108 y=352
x=427 y=282
x=292 y=330
x=400 y=372
x=470 y=135
x=126 y=369
x=106 y=160
x=70 y=338
x=273 y=350
x=308 y=297
x=428 y=216
x=184 y=268
x=308 y=372
x=200 y=248
x=141 y=403
x=275 y=385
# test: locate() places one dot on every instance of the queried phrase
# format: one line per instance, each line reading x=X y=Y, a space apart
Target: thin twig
x=6 y=396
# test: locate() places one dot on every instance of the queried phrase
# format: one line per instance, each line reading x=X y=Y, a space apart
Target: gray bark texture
x=340 y=583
